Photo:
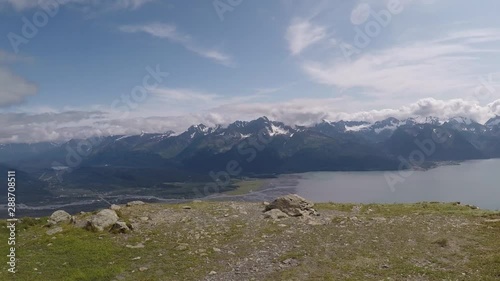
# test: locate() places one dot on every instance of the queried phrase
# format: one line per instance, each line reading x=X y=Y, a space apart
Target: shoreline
x=270 y=188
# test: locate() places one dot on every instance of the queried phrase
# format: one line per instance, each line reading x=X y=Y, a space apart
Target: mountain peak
x=263 y=118
x=462 y=120
x=494 y=121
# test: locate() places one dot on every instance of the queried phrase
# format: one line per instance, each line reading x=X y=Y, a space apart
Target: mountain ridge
x=254 y=148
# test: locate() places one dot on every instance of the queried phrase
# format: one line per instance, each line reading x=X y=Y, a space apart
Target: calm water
x=471 y=182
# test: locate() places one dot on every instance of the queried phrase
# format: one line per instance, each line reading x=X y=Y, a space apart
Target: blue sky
x=295 y=61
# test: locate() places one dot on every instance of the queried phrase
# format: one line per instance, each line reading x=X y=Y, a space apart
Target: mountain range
x=259 y=147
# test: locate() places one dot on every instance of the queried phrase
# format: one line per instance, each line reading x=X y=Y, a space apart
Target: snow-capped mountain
x=493 y=122
x=294 y=148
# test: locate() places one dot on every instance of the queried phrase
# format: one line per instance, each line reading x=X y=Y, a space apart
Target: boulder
x=59 y=216
x=115 y=207
x=78 y=222
x=135 y=203
x=120 y=227
x=103 y=219
x=292 y=205
x=275 y=214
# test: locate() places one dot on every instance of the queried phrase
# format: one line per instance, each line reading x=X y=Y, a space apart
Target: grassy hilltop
x=233 y=241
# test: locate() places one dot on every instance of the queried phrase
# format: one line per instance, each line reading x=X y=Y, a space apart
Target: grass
x=71 y=255
x=245 y=187
x=423 y=241
x=442 y=242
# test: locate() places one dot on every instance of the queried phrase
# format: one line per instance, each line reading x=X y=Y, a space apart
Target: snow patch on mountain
x=123 y=137
x=275 y=130
x=388 y=127
x=357 y=128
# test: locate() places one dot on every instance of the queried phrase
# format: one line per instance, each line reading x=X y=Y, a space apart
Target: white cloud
x=183 y=94
x=442 y=68
x=301 y=34
x=170 y=32
x=14 y=88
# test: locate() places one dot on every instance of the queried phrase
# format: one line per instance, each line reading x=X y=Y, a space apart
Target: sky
x=76 y=68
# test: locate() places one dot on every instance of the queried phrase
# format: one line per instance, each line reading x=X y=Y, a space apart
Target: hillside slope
x=233 y=241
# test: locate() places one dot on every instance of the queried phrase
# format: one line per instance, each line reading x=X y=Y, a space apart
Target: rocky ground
x=293 y=240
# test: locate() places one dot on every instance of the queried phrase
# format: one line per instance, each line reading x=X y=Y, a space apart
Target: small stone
x=186 y=207
x=472 y=207
x=138 y=246
x=115 y=207
x=182 y=247
x=212 y=273
x=141 y=269
x=275 y=214
x=216 y=250
x=135 y=203
x=144 y=218
x=136 y=258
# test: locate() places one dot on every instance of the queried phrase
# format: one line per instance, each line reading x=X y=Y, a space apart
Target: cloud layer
x=444 y=68
x=61 y=126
